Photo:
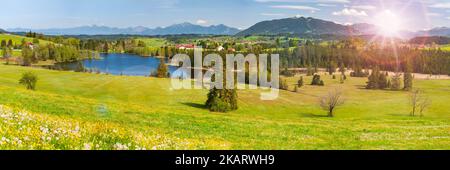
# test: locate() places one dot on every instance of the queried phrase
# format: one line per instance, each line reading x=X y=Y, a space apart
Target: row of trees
x=431 y=61
x=57 y=53
x=380 y=80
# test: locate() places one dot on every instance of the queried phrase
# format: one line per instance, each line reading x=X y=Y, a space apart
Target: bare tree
x=332 y=100
x=418 y=102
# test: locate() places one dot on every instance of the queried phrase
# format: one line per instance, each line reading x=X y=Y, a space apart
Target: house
x=185 y=46
x=220 y=48
x=29 y=44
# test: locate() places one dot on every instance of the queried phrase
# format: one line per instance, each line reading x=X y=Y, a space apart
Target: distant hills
x=440 y=31
x=183 y=28
x=430 y=40
x=297 y=25
x=2 y=31
x=313 y=26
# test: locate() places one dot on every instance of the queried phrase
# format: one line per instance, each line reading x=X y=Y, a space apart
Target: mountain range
x=183 y=28
x=294 y=25
x=309 y=25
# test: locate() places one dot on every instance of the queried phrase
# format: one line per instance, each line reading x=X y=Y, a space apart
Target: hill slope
x=146 y=108
x=17 y=39
x=297 y=25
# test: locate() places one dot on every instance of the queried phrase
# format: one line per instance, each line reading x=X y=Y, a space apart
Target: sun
x=389 y=23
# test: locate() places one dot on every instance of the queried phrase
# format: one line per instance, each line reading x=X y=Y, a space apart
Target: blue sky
x=36 y=14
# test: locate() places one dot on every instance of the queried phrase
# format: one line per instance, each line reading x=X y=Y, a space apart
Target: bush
x=162 y=71
x=317 y=81
x=287 y=73
x=296 y=89
x=283 y=84
x=222 y=100
x=395 y=83
x=300 y=82
x=29 y=80
x=359 y=73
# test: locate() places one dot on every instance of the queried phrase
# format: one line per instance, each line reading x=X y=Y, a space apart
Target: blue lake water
x=118 y=64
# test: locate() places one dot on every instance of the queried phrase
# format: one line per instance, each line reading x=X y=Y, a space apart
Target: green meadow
x=122 y=112
x=153 y=42
x=17 y=39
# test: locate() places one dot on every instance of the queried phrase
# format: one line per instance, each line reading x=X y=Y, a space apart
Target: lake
x=117 y=64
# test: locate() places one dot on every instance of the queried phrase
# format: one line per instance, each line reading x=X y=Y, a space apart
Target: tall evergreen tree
x=162 y=71
x=408 y=78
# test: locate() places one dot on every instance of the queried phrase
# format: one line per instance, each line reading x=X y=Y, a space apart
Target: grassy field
x=16 y=39
x=118 y=112
x=446 y=47
x=153 y=42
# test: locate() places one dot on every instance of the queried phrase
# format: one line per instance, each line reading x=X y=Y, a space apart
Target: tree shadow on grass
x=361 y=87
x=195 y=105
x=399 y=115
x=312 y=115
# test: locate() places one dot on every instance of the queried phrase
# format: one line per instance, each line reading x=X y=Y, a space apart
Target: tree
x=382 y=81
x=222 y=100
x=309 y=71
x=162 y=71
x=418 y=102
x=29 y=80
x=407 y=81
x=10 y=43
x=35 y=41
x=300 y=82
x=3 y=44
x=295 y=88
x=331 y=67
x=316 y=81
x=332 y=100
x=373 y=79
x=395 y=82
x=27 y=55
x=283 y=84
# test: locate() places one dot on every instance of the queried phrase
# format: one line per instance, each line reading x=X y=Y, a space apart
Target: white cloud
x=445 y=5
x=335 y=1
x=296 y=7
x=202 y=22
x=365 y=7
x=326 y=5
x=350 y=12
x=271 y=14
x=305 y=1
x=432 y=14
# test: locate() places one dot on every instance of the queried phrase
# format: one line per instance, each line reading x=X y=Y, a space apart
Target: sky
x=38 y=14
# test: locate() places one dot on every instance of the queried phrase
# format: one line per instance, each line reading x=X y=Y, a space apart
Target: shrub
x=287 y=73
x=283 y=84
x=317 y=81
x=395 y=82
x=300 y=82
x=29 y=80
x=359 y=73
x=407 y=81
x=162 y=71
x=296 y=89
x=222 y=100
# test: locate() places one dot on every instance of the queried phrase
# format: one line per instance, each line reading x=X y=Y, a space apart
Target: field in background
x=16 y=39
x=139 y=107
x=153 y=42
